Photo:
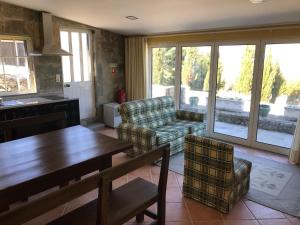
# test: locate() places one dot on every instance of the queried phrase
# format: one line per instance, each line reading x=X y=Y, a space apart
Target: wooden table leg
x=106 y=163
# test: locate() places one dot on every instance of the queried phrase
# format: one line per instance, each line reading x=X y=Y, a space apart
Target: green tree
x=279 y=82
x=272 y=80
x=244 y=81
x=163 y=69
x=292 y=90
x=220 y=81
x=194 y=68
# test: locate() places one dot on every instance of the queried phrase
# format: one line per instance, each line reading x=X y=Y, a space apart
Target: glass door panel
x=195 y=73
x=233 y=90
x=279 y=106
x=163 y=71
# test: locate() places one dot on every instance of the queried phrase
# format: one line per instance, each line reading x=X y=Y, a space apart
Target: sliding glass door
x=279 y=106
x=249 y=92
x=233 y=88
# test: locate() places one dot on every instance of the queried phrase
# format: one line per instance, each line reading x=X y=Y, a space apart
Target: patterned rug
x=273 y=184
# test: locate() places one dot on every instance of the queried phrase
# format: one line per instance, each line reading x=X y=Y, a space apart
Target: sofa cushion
x=242 y=169
x=149 y=113
x=192 y=126
x=170 y=132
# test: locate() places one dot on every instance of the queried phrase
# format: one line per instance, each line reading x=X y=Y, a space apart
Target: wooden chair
x=24 y=127
x=112 y=207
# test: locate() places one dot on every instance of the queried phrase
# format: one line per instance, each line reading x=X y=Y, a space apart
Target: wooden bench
x=112 y=207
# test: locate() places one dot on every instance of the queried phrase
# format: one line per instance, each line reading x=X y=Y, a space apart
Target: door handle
x=67 y=85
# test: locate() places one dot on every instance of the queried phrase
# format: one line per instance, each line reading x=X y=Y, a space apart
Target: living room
x=222 y=78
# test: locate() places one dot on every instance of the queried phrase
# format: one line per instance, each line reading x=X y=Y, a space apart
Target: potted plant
x=264 y=110
x=194 y=101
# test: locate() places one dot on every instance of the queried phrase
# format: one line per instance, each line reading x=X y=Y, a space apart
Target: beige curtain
x=295 y=150
x=135 y=68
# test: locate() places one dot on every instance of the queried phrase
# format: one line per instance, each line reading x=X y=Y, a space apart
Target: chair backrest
x=151 y=113
x=54 y=199
x=27 y=126
x=113 y=173
x=212 y=159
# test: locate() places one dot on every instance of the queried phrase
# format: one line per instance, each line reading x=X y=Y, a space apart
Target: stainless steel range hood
x=49 y=48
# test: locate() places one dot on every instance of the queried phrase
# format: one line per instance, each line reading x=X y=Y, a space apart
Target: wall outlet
x=57 y=78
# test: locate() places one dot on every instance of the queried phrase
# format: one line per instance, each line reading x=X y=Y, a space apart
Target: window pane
x=76 y=56
x=14 y=67
x=2 y=76
x=7 y=48
x=280 y=95
x=10 y=66
x=66 y=68
x=66 y=65
x=195 y=71
x=23 y=82
x=2 y=83
x=11 y=74
x=11 y=83
x=21 y=48
x=233 y=91
x=86 y=57
x=1 y=66
x=64 y=40
x=163 y=71
x=23 y=68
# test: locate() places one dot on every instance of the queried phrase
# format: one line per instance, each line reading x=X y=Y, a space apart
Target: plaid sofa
x=212 y=175
x=152 y=122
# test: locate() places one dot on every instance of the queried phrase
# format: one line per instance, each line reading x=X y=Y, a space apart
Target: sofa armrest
x=191 y=116
x=140 y=137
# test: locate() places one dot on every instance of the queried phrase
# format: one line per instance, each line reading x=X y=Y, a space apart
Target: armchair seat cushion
x=242 y=169
x=193 y=126
x=177 y=129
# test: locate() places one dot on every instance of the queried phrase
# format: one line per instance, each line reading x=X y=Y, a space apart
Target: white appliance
x=111 y=115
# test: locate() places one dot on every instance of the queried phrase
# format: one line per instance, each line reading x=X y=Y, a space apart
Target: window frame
x=90 y=53
x=32 y=77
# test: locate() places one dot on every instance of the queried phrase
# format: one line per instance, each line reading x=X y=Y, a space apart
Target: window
x=233 y=89
x=16 y=74
x=163 y=71
x=279 y=106
x=76 y=68
x=249 y=91
x=195 y=74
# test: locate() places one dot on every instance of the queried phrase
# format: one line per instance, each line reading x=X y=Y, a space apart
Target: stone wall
x=108 y=48
x=272 y=123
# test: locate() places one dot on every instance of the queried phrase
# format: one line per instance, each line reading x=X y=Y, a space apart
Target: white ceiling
x=164 y=16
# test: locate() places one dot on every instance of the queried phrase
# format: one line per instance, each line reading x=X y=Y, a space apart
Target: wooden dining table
x=34 y=164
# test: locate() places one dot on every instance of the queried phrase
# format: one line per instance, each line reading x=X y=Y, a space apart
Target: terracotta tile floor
x=183 y=211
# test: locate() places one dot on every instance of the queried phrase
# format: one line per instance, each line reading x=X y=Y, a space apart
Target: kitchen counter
x=28 y=107
x=32 y=101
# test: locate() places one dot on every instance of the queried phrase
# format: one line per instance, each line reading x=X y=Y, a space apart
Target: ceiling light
x=131 y=17
x=257 y=1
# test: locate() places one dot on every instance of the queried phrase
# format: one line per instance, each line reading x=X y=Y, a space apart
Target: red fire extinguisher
x=121 y=96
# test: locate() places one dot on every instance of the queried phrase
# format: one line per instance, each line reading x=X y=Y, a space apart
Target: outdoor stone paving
x=264 y=136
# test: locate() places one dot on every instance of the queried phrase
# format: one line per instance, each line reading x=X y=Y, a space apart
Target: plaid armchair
x=152 y=122
x=212 y=175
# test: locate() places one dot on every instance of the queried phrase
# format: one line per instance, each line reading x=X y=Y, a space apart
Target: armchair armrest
x=191 y=116
x=140 y=137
